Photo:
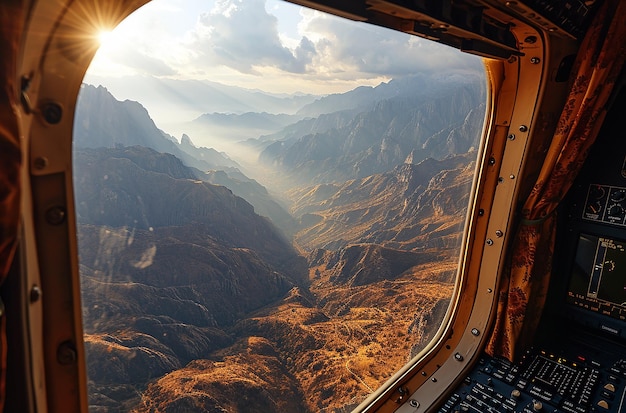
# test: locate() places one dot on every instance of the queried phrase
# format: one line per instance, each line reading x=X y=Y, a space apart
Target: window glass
x=270 y=205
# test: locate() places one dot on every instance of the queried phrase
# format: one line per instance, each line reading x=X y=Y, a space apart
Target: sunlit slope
x=418 y=207
x=331 y=351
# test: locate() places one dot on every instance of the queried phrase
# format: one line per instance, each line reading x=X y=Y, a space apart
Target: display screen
x=598 y=281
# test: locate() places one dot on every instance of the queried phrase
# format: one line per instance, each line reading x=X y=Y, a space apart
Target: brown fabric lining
x=11 y=21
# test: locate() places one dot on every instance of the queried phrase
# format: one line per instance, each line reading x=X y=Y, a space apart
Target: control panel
x=606 y=204
x=542 y=382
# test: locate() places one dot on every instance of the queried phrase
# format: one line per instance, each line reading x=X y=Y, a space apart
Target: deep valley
x=209 y=289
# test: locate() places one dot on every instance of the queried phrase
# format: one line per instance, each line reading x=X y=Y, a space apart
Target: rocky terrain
x=414 y=119
x=210 y=307
x=202 y=293
x=168 y=264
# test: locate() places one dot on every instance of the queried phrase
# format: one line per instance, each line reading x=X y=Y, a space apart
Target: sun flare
x=105 y=37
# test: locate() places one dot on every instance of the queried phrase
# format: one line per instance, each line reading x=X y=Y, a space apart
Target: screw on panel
x=475 y=332
x=499 y=233
x=35 y=293
x=489 y=241
x=523 y=128
x=489 y=290
x=492 y=161
x=434 y=380
x=55 y=215
x=481 y=212
x=512 y=176
x=511 y=137
x=458 y=356
x=403 y=392
x=500 y=179
x=414 y=403
x=66 y=353
x=41 y=162
x=52 y=112
x=535 y=60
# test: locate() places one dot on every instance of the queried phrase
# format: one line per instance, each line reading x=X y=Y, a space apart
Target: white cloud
x=242 y=41
x=358 y=47
x=242 y=35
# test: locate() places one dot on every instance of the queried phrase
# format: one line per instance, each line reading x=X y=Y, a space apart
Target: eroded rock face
x=414 y=119
x=413 y=207
x=216 y=310
x=248 y=378
x=168 y=265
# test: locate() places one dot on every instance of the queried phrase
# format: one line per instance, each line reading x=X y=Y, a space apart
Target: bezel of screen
x=597 y=284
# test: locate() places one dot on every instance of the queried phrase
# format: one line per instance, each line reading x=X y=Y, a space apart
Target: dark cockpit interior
x=577 y=361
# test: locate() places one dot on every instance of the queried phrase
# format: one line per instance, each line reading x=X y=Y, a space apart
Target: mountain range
x=202 y=292
x=416 y=118
x=176 y=103
x=168 y=264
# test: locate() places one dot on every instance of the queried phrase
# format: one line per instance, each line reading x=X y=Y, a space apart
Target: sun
x=105 y=37
x=109 y=41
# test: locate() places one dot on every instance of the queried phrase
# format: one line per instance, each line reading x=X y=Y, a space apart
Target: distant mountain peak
x=185 y=140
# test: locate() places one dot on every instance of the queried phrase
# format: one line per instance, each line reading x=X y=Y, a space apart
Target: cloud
x=242 y=35
x=240 y=42
x=363 y=48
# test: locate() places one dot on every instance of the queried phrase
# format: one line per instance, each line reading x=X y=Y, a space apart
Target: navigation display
x=598 y=281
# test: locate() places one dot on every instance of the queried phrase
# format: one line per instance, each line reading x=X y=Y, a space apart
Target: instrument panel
x=606 y=203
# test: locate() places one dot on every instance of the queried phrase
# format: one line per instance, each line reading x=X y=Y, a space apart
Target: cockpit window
x=270 y=205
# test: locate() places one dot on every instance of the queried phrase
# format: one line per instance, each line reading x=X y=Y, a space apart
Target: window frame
x=57 y=56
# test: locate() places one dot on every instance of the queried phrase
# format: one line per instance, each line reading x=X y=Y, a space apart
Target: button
x=610 y=387
x=604 y=404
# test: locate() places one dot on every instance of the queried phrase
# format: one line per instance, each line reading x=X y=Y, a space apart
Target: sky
x=262 y=44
